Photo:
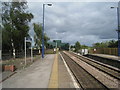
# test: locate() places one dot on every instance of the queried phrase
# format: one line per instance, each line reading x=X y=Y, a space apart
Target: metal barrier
x=6 y=55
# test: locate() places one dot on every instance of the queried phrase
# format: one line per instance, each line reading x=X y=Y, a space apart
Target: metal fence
x=6 y=55
x=109 y=51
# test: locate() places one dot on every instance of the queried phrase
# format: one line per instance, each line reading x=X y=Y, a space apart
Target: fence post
x=31 y=53
x=0 y=54
x=25 y=51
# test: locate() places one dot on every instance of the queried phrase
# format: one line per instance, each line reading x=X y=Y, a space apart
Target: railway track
x=84 y=79
x=109 y=61
x=87 y=79
x=114 y=72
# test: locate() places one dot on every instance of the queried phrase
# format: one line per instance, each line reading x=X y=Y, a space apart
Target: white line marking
x=72 y=77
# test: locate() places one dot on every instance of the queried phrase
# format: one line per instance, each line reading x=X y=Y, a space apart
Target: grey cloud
x=85 y=22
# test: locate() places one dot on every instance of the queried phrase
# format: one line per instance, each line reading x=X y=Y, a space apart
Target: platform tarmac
x=50 y=72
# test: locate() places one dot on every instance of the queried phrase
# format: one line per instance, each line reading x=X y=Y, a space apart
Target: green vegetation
x=59 y=44
x=107 y=44
x=20 y=63
x=38 y=35
x=77 y=46
x=49 y=51
x=65 y=46
x=15 y=20
x=84 y=47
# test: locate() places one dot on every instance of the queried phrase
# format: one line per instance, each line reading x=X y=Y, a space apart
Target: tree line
x=15 y=24
x=15 y=21
x=78 y=46
x=106 y=44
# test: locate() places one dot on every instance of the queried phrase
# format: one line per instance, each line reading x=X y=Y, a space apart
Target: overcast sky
x=86 y=22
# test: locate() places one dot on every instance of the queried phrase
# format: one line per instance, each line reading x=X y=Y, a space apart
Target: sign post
x=28 y=40
x=31 y=53
x=25 y=51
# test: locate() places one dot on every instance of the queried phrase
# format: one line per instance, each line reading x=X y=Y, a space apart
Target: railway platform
x=65 y=70
x=107 y=56
x=107 y=59
x=49 y=72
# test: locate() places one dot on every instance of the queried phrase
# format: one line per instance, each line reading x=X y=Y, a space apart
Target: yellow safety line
x=53 y=83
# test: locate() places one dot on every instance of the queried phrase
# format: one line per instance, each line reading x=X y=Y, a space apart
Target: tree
x=84 y=46
x=113 y=44
x=65 y=46
x=15 y=21
x=100 y=45
x=72 y=46
x=77 y=46
x=38 y=35
x=110 y=44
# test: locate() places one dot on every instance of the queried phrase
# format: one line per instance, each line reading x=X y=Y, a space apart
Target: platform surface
x=49 y=72
x=35 y=76
x=107 y=56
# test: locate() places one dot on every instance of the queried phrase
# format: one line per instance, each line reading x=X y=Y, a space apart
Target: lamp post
x=118 y=29
x=43 y=29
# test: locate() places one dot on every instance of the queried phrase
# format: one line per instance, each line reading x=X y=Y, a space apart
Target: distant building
x=59 y=44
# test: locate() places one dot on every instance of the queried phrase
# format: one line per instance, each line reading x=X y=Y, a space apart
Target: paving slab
x=35 y=76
